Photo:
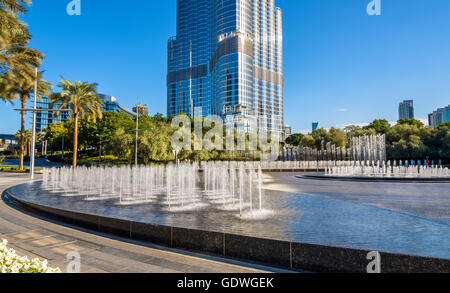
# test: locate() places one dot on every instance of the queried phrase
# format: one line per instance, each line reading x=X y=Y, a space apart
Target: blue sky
x=342 y=66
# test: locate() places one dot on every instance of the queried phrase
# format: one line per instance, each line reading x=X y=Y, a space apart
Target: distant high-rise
x=406 y=110
x=226 y=60
x=315 y=125
x=439 y=117
x=287 y=131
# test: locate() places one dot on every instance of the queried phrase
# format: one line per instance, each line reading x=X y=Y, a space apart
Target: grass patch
x=13 y=170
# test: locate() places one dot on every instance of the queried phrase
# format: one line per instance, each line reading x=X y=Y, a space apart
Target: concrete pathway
x=39 y=163
x=35 y=237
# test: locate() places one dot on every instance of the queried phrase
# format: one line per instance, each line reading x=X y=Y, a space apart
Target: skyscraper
x=438 y=117
x=315 y=125
x=226 y=60
x=406 y=110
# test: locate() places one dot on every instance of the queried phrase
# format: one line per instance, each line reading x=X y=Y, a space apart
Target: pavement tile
x=27 y=235
x=46 y=241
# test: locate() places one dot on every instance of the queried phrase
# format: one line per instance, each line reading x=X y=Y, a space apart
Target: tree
x=123 y=144
x=13 y=32
x=82 y=98
x=320 y=135
x=308 y=141
x=337 y=137
x=444 y=125
x=355 y=131
x=17 y=61
x=22 y=88
x=56 y=132
x=379 y=125
x=26 y=135
x=294 y=139
x=413 y=122
x=93 y=134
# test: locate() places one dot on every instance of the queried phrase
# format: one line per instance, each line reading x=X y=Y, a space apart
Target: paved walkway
x=39 y=163
x=36 y=237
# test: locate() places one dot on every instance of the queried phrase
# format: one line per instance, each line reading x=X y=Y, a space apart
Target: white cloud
x=424 y=121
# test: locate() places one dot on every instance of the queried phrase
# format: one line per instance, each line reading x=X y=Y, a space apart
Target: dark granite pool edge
x=375 y=179
x=286 y=254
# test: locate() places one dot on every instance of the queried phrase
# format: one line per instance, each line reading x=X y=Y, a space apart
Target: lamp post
x=138 y=105
x=99 y=147
x=33 y=132
x=62 y=148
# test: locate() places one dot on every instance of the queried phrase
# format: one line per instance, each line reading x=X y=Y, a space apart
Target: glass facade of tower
x=438 y=117
x=46 y=118
x=406 y=110
x=226 y=60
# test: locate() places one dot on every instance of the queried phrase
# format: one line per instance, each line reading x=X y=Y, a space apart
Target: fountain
x=386 y=170
x=188 y=187
x=209 y=205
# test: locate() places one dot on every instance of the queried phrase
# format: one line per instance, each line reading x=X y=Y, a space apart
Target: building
x=226 y=61
x=143 y=111
x=287 y=131
x=46 y=118
x=111 y=105
x=439 y=117
x=315 y=126
x=406 y=110
x=7 y=142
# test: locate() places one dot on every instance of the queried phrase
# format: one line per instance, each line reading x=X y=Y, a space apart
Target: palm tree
x=82 y=98
x=14 y=37
x=21 y=89
x=26 y=135
x=17 y=61
x=16 y=6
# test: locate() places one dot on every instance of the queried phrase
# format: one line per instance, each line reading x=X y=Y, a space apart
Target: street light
x=99 y=148
x=138 y=105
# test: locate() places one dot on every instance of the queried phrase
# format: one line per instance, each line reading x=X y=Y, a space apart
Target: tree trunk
x=75 y=140
x=24 y=99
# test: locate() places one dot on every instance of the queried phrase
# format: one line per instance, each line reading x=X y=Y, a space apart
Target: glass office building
x=46 y=118
x=406 y=110
x=438 y=117
x=226 y=60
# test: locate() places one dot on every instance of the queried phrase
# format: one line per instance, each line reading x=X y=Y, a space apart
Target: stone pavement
x=38 y=238
x=39 y=163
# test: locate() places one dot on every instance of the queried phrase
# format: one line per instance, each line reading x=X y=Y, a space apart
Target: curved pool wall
x=378 y=178
x=307 y=232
